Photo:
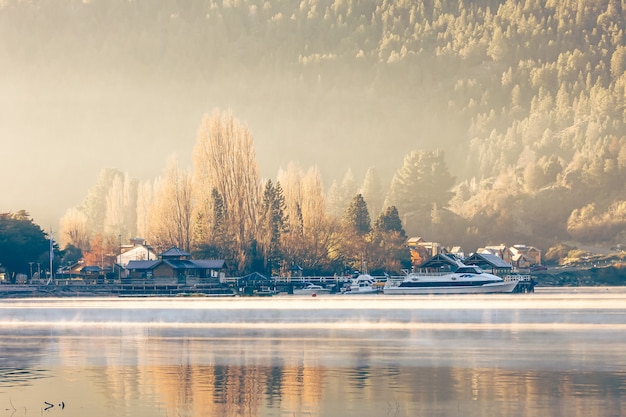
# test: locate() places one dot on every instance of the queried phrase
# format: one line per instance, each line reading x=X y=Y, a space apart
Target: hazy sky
x=57 y=133
x=70 y=108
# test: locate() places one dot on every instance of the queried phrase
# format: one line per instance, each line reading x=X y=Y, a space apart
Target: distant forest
x=521 y=107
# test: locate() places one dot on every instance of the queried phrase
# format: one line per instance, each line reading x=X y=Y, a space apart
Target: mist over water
x=383 y=312
x=548 y=353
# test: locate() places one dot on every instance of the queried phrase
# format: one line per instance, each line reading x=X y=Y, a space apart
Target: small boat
x=465 y=280
x=311 y=289
x=362 y=284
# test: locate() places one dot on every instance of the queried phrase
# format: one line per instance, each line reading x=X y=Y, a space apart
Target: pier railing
x=308 y=279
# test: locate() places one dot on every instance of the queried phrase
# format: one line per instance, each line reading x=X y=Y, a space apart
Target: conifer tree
x=388 y=248
x=389 y=221
x=357 y=217
x=273 y=223
x=422 y=182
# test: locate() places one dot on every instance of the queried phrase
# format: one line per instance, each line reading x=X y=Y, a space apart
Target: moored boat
x=465 y=280
x=311 y=289
x=362 y=284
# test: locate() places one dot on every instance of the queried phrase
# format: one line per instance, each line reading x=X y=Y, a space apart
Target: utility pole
x=119 y=266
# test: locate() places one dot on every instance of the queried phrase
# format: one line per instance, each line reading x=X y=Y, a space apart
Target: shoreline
x=16 y=291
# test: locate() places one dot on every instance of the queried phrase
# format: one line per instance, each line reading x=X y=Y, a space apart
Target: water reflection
x=505 y=358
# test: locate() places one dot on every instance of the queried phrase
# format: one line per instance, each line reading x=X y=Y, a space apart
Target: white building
x=138 y=250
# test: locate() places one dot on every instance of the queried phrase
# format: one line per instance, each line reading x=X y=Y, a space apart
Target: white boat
x=362 y=284
x=311 y=289
x=465 y=280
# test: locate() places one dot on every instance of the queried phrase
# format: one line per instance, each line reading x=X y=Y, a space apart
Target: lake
x=557 y=352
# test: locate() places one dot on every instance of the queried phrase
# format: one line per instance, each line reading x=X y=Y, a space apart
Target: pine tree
x=389 y=221
x=273 y=224
x=422 y=182
x=357 y=217
x=388 y=247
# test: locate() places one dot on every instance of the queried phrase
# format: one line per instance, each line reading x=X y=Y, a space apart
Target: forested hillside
x=520 y=104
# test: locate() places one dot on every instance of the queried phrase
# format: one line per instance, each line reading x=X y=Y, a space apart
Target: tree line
x=223 y=209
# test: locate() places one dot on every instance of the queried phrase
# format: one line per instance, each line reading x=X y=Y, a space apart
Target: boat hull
x=361 y=291
x=460 y=288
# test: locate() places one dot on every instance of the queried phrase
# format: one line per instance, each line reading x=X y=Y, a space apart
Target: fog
x=59 y=131
x=583 y=309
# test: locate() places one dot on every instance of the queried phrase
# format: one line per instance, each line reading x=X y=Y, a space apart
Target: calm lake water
x=557 y=352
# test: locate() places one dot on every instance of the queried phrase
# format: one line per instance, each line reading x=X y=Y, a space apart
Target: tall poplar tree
x=372 y=191
x=171 y=219
x=224 y=159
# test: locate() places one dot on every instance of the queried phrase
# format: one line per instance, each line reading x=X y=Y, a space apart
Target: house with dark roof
x=441 y=263
x=490 y=262
x=175 y=266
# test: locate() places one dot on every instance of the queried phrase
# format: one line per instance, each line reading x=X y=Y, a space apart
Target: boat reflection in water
x=546 y=354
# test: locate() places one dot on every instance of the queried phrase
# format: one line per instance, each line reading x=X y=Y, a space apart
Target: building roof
x=142 y=264
x=175 y=252
x=492 y=260
x=178 y=264
x=519 y=256
x=209 y=263
x=414 y=240
x=441 y=260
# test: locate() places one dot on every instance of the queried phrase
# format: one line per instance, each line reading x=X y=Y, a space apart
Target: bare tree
x=310 y=231
x=114 y=209
x=293 y=238
x=171 y=215
x=340 y=195
x=318 y=227
x=74 y=229
x=145 y=198
x=372 y=191
x=224 y=159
